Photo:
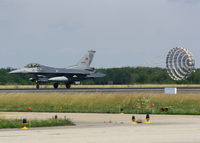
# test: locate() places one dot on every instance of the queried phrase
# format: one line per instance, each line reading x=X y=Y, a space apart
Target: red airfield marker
x=152 y=110
x=29 y=108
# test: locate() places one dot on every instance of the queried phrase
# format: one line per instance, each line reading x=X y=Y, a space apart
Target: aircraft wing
x=64 y=71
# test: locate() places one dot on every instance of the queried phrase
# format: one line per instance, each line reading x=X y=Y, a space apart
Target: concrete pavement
x=106 y=128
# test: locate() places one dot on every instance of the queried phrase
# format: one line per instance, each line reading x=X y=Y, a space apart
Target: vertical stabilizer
x=85 y=61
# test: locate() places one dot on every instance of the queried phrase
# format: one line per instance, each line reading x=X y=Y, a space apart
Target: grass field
x=103 y=86
x=101 y=102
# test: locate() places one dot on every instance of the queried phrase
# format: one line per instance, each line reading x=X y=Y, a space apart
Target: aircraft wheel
x=37 y=86
x=68 y=85
x=55 y=85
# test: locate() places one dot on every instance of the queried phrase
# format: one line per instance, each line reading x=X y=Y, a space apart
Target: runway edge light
x=133 y=120
x=121 y=111
x=24 y=123
x=148 y=119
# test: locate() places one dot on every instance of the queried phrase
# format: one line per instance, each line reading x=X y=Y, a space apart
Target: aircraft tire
x=55 y=85
x=68 y=85
x=37 y=86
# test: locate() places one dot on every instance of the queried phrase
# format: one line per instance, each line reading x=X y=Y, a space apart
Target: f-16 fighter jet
x=43 y=74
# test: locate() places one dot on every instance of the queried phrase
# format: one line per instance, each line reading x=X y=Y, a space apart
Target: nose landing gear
x=37 y=84
x=55 y=85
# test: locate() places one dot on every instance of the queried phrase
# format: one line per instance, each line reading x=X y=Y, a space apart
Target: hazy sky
x=123 y=32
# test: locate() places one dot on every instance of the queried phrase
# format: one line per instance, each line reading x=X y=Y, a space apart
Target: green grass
x=101 y=102
x=35 y=123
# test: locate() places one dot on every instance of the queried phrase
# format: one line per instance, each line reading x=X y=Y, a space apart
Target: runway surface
x=106 y=128
x=180 y=89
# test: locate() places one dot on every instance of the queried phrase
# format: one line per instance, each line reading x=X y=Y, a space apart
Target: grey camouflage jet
x=44 y=74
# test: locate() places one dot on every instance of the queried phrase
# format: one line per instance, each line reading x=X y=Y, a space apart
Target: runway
x=106 y=128
x=179 y=89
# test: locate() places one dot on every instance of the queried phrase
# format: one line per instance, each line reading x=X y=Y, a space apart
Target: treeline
x=8 y=79
x=124 y=75
x=141 y=75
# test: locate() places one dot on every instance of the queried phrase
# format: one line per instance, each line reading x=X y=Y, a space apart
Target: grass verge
x=183 y=103
x=35 y=123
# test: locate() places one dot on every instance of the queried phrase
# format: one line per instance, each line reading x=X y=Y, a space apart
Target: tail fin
x=85 y=61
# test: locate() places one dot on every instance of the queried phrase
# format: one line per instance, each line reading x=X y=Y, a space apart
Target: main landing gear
x=68 y=85
x=55 y=85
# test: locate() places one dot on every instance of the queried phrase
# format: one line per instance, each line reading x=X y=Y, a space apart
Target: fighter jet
x=44 y=74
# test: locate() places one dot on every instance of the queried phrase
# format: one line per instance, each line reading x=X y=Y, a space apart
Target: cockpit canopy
x=32 y=65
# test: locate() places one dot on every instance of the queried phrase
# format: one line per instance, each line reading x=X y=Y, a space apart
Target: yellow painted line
x=27 y=114
x=10 y=115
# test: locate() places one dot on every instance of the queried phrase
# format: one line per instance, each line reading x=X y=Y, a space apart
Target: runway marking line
x=4 y=115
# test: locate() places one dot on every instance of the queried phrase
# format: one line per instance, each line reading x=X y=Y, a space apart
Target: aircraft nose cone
x=15 y=71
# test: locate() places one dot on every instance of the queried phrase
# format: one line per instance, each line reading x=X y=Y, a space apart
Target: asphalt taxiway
x=156 y=89
x=106 y=128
